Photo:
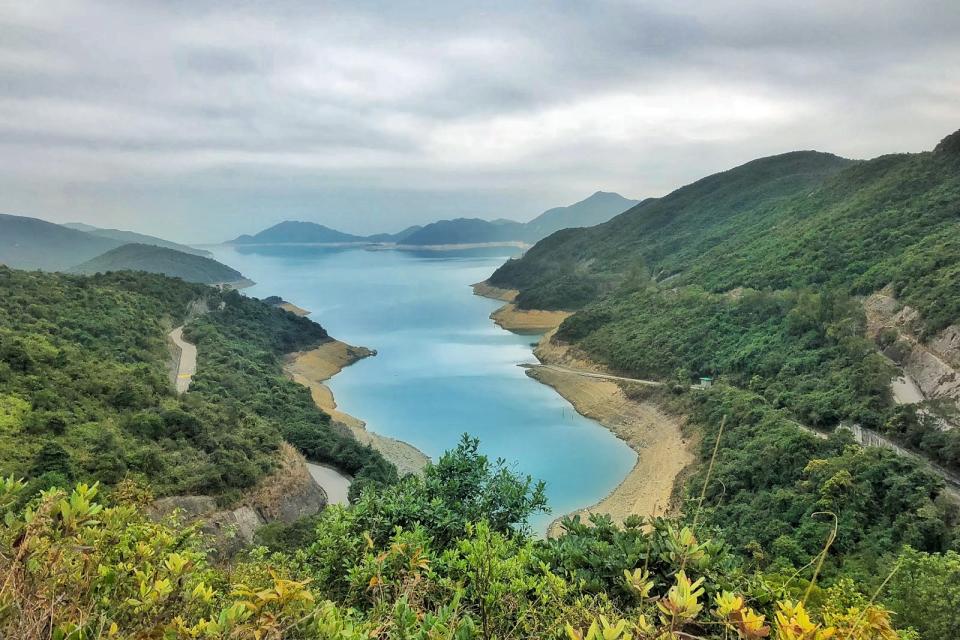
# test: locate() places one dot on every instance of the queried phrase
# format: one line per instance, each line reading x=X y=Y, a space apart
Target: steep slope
x=131 y=237
x=29 y=243
x=152 y=259
x=596 y=209
x=291 y=231
x=755 y=275
x=662 y=236
x=85 y=393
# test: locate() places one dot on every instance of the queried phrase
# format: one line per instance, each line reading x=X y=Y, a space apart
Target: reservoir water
x=443 y=368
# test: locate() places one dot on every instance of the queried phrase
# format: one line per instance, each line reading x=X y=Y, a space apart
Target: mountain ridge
x=132 y=237
x=32 y=243
x=161 y=260
x=596 y=208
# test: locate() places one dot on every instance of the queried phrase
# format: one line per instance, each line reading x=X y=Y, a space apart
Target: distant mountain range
x=293 y=232
x=127 y=237
x=30 y=243
x=598 y=208
x=154 y=259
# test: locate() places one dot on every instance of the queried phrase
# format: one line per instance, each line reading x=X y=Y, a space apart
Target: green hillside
x=85 y=393
x=753 y=277
x=153 y=259
x=660 y=236
x=795 y=220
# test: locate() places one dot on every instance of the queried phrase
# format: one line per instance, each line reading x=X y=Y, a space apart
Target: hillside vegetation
x=443 y=556
x=85 y=398
x=153 y=259
x=754 y=275
x=85 y=392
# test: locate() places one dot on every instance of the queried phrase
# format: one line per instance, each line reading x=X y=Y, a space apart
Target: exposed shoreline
x=313 y=368
x=663 y=452
x=511 y=318
x=294 y=309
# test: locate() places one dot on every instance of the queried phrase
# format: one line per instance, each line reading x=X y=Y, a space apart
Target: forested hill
x=798 y=219
x=153 y=259
x=660 y=236
x=85 y=393
x=30 y=243
x=754 y=277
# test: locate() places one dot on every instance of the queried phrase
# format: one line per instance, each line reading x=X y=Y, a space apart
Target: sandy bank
x=486 y=290
x=527 y=320
x=312 y=368
x=294 y=309
x=243 y=283
x=662 y=451
x=511 y=318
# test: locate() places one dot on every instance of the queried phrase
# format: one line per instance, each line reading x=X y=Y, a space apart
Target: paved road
x=187 y=365
x=335 y=484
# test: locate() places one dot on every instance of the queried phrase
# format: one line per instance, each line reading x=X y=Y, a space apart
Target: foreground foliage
x=74 y=566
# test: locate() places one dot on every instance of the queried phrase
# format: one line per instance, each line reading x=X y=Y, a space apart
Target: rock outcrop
x=933 y=365
x=286 y=495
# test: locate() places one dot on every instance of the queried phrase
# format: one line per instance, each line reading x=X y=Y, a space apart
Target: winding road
x=186 y=363
x=335 y=484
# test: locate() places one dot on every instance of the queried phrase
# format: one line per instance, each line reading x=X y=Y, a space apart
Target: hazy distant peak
x=79 y=226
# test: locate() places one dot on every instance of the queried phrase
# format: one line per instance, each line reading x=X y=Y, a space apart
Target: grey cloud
x=201 y=116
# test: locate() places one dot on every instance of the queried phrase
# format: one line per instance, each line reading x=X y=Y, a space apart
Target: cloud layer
x=202 y=119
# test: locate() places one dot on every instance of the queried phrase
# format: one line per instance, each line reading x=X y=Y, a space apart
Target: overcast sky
x=201 y=120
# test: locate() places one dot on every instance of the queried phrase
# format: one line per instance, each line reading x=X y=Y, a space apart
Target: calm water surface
x=443 y=368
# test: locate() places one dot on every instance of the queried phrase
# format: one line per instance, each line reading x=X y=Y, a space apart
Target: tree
x=52 y=458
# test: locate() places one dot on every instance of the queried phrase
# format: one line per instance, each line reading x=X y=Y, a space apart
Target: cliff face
x=933 y=365
x=286 y=495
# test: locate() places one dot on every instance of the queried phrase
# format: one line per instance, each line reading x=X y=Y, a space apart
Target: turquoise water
x=443 y=368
